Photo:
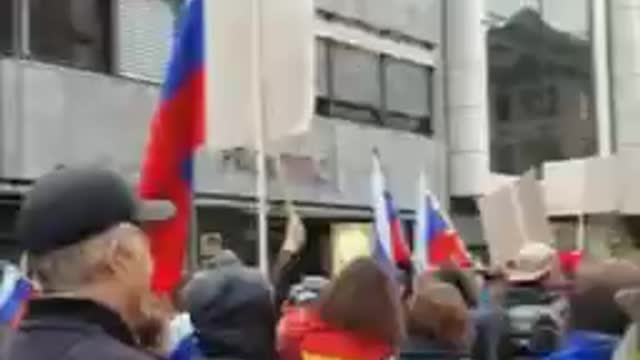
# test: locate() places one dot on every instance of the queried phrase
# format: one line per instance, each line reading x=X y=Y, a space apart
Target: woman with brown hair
x=358 y=316
x=439 y=322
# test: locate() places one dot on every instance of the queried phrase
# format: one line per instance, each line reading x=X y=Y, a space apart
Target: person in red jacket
x=297 y=321
x=299 y=316
x=358 y=316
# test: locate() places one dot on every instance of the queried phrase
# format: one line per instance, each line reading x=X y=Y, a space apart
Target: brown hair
x=364 y=300
x=453 y=275
x=594 y=293
x=438 y=312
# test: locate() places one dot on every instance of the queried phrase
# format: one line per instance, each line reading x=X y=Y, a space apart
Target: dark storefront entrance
x=9 y=205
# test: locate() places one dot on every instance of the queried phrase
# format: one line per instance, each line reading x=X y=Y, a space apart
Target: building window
x=407 y=96
x=143 y=48
x=368 y=87
x=503 y=107
x=505 y=156
x=71 y=32
x=322 y=68
x=539 y=54
x=7 y=26
x=355 y=84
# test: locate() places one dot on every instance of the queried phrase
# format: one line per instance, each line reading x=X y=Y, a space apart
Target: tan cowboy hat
x=534 y=261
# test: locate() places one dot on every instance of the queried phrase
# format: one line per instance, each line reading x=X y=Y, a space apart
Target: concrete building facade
x=83 y=90
x=445 y=86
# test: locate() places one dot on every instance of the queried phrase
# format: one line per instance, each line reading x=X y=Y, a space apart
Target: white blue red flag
x=420 y=249
x=390 y=246
x=177 y=131
x=436 y=240
x=15 y=291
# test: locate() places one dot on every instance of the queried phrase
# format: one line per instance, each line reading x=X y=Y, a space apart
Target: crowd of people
x=90 y=266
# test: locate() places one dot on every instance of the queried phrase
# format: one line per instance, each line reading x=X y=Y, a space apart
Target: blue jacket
x=584 y=345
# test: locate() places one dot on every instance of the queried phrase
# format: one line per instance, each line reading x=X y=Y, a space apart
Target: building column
x=466 y=103
x=601 y=78
x=624 y=49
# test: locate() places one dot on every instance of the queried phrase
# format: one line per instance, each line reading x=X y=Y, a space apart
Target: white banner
x=259 y=58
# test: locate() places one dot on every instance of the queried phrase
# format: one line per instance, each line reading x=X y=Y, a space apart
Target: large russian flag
x=390 y=246
x=177 y=130
x=436 y=240
x=256 y=67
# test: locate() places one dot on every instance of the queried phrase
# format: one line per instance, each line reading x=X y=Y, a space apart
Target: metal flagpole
x=193 y=246
x=581 y=232
x=261 y=176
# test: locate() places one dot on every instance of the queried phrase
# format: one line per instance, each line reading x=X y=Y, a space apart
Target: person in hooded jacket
x=358 y=316
x=596 y=323
x=232 y=311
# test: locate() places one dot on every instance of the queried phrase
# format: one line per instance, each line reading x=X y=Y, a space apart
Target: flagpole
x=581 y=233
x=421 y=255
x=261 y=186
x=261 y=176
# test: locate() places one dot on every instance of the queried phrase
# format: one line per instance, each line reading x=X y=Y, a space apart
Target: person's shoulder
x=105 y=348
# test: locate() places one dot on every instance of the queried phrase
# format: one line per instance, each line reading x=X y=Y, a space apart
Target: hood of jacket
x=232 y=311
x=585 y=345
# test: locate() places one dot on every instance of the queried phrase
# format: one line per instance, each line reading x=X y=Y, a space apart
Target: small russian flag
x=390 y=246
x=436 y=240
x=15 y=291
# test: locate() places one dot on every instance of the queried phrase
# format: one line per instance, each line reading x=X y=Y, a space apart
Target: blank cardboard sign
x=513 y=215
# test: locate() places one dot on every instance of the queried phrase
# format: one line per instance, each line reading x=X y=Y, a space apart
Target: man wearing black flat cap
x=80 y=230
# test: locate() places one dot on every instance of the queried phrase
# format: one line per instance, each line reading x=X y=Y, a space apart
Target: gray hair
x=72 y=267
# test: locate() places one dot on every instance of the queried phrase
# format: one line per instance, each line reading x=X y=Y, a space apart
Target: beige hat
x=533 y=261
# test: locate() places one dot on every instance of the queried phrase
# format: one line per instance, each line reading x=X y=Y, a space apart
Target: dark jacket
x=492 y=334
x=423 y=349
x=232 y=311
x=67 y=329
